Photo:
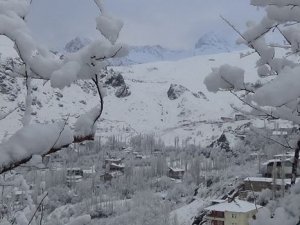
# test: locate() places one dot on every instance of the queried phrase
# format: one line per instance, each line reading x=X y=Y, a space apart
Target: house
x=116 y=161
x=226 y=119
x=157 y=152
x=74 y=175
x=257 y=184
x=88 y=172
x=239 y=117
x=279 y=133
x=116 y=167
x=258 y=155
x=139 y=157
x=108 y=176
x=281 y=166
x=176 y=173
x=287 y=155
x=236 y=212
x=54 y=160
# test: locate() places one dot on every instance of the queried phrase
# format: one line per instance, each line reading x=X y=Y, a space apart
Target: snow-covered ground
x=194 y=115
x=185 y=215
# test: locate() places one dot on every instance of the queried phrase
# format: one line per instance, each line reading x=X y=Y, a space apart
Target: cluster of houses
x=276 y=175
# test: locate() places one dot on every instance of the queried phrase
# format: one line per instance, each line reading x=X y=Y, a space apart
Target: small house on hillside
x=116 y=167
x=108 y=176
x=116 y=161
x=88 y=172
x=53 y=160
x=257 y=184
x=237 y=212
x=284 y=156
x=227 y=119
x=157 y=152
x=239 y=117
x=176 y=173
x=282 y=166
x=74 y=175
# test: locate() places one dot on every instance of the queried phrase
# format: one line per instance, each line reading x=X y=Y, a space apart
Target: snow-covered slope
x=194 y=115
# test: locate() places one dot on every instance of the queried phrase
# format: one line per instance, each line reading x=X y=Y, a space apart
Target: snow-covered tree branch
x=36 y=62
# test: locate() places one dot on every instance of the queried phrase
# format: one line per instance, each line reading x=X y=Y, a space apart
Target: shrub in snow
x=178 y=193
x=264 y=197
x=162 y=184
x=58 y=196
x=146 y=209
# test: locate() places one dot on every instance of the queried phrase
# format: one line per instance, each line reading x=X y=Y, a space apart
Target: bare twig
x=96 y=81
x=41 y=202
x=271 y=139
x=107 y=57
x=59 y=135
x=249 y=43
x=255 y=107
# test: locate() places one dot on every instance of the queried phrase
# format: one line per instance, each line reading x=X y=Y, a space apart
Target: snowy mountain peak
x=212 y=42
x=76 y=44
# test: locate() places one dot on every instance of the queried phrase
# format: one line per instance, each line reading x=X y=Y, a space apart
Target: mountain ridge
x=208 y=43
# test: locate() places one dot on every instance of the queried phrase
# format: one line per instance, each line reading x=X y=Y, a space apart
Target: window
x=233 y=215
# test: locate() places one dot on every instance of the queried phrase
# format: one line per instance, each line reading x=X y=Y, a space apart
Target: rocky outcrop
x=123 y=91
x=221 y=143
x=175 y=91
x=115 y=80
x=9 y=87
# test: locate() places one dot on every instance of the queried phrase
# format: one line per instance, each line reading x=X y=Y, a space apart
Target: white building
x=237 y=212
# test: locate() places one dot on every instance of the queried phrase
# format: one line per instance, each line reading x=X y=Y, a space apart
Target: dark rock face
x=116 y=80
x=200 y=94
x=221 y=143
x=175 y=91
x=8 y=87
x=123 y=92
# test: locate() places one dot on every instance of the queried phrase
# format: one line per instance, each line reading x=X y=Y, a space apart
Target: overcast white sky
x=170 y=23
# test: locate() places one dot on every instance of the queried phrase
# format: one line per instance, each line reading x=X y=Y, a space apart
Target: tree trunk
x=295 y=163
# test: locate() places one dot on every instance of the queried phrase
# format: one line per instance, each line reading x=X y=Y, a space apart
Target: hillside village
x=110 y=133
x=118 y=171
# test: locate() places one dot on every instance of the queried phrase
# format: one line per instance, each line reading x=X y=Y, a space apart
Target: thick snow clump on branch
x=225 y=77
x=36 y=139
x=85 y=125
x=44 y=64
